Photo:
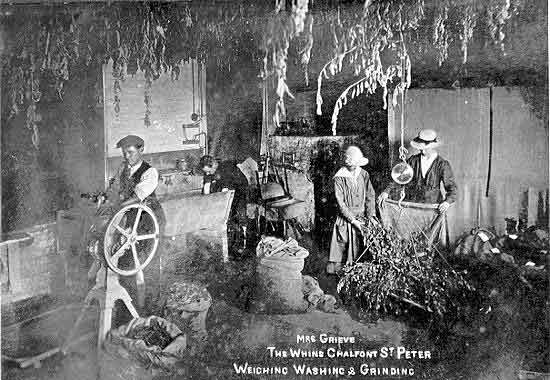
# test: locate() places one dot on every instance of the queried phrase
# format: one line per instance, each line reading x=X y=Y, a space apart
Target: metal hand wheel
x=125 y=231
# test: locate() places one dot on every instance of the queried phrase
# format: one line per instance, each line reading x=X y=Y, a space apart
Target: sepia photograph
x=274 y=189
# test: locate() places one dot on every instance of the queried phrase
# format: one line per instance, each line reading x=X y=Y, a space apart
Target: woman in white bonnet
x=356 y=200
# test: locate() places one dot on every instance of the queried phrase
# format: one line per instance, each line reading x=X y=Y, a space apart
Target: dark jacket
x=229 y=176
x=427 y=190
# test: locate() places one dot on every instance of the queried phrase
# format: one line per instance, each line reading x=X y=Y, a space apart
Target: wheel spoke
x=146 y=237
x=120 y=252
x=122 y=231
x=136 y=222
x=136 y=258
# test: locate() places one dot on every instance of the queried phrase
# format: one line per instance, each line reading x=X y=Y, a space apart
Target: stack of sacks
x=315 y=296
x=526 y=247
x=479 y=244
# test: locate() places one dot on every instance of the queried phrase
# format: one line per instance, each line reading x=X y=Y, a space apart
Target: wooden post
x=106 y=122
x=2 y=44
x=532 y=206
x=265 y=111
x=391 y=131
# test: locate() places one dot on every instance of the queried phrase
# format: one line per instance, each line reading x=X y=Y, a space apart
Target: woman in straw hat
x=356 y=199
x=430 y=171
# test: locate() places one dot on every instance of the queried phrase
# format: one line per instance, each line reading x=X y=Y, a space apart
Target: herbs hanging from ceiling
x=441 y=33
x=377 y=49
x=498 y=13
x=147 y=99
x=467 y=31
x=282 y=28
x=375 y=46
x=153 y=38
x=117 y=90
x=305 y=44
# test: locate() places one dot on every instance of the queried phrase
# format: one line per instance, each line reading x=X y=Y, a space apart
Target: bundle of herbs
x=401 y=273
x=153 y=334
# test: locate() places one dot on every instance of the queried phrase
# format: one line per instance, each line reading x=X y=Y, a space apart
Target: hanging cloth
x=408 y=217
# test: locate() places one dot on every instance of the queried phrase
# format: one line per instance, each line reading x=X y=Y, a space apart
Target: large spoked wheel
x=133 y=228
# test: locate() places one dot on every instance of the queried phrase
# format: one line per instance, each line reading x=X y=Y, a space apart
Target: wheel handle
x=129 y=238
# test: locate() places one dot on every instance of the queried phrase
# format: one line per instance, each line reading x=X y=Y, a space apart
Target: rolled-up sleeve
x=148 y=184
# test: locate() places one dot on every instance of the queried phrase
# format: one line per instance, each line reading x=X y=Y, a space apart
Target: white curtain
x=518 y=181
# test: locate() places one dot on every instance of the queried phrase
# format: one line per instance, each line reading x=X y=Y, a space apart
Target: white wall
x=518 y=179
x=172 y=106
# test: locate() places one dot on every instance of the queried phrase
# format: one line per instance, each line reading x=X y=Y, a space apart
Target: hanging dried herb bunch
x=155 y=37
x=147 y=99
x=282 y=28
x=375 y=46
x=138 y=36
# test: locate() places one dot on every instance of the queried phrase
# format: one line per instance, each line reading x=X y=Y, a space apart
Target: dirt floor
x=507 y=333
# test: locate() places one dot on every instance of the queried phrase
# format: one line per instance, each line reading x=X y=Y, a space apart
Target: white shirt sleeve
x=148 y=184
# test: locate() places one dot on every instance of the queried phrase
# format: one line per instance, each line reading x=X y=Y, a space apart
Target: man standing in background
x=220 y=176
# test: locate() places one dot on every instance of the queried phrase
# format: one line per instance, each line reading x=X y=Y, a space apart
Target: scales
x=196 y=118
x=402 y=173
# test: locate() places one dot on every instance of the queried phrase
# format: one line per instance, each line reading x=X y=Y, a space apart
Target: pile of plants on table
x=401 y=273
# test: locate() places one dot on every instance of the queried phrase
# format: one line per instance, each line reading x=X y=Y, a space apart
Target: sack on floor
x=278 y=282
x=149 y=342
x=477 y=244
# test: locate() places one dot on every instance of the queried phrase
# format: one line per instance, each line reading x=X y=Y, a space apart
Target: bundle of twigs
x=401 y=273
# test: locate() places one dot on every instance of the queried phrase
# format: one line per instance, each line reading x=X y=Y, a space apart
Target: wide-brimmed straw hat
x=355 y=157
x=427 y=138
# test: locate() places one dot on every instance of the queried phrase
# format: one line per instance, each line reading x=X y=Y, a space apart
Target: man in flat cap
x=221 y=176
x=136 y=180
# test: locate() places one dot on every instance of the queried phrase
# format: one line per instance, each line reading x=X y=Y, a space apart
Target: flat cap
x=130 y=140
